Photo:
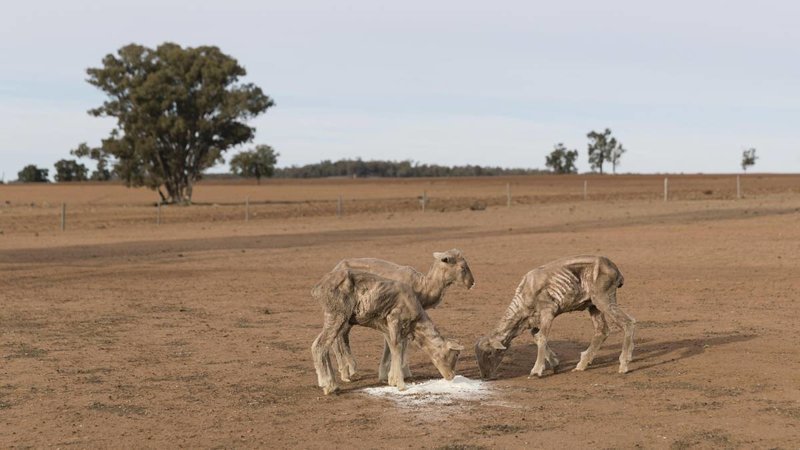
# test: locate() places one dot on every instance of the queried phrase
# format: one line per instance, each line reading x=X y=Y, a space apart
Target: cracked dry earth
x=198 y=335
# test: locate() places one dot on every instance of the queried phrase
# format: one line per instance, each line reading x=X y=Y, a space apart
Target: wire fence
x=393 y=196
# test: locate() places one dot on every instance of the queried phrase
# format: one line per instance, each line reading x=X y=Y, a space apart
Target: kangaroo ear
x=497 y=345
x=345 y=281
x=443 y=257
x=454 y=346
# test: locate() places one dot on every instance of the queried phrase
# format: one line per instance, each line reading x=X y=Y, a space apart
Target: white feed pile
x=433 y=391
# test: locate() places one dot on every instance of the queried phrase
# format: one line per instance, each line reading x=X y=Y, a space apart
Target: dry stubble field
x=196 y=333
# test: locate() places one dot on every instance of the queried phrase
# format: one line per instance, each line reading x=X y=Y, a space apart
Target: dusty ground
x=37 y=208
x=197 y=333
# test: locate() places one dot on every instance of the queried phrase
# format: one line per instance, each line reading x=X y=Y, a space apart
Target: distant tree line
x=179 y=109
x=66 y=170
x=392 y=169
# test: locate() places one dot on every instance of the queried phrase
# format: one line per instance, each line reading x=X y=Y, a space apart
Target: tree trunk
x=189 y=190
x=175 y=190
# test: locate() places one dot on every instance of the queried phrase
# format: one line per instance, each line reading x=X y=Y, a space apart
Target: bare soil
x=196 y=333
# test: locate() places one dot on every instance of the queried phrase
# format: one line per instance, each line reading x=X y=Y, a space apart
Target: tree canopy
x=70 y=170
x=33 y=174
x=101 y=173
x=177 y=110
x=256 y=163
x=603 y=147
x=562 y=160
x=615 y=156
x=748 y=158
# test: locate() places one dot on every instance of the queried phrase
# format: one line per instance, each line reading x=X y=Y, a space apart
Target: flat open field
x=37 y=208
x=196 y=333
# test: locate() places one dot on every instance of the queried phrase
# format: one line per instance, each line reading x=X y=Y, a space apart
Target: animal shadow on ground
x=519 y=360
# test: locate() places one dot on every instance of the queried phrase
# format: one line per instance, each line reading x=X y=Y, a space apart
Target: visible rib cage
x=563 y=287
x=587 y=280
x=448 y=268
x=517 y=302
x=569 y=284
x=352 y=297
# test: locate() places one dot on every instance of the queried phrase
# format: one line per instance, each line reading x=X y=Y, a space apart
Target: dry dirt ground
x=196 y=333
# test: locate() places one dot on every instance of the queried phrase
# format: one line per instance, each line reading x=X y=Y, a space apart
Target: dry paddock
x=196 y=333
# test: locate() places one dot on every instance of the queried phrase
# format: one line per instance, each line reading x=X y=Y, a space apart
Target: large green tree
x=562 y=160
x=32 y=174
x=603 y=147
x=70 y=170
x=177 y=110
x=257 y=163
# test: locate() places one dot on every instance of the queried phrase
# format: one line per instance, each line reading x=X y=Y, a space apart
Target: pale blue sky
x=685 y=85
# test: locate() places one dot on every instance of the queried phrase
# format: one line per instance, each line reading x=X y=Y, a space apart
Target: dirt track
x=197 y=333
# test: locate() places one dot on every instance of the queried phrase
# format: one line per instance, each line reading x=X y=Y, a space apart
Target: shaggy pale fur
x=448 y=268
x=565 y=285
x=350 y=297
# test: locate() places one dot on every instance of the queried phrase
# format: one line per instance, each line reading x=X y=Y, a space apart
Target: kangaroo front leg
x=600 y=335
x=344 y=356
x=338 y=352
x=321 y=348
x=404 y=349
x=545 y=320
x=607 y=304
x=550 y=356
x=396 y=349
x=628 y=324
x=386 y=359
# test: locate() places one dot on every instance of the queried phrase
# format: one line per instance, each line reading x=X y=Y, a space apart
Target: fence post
x=339 y=207
x=247 y=209
x=666 y=188
x=586 y=189
x=158 y=213
x=424 y=200
x=738 y=187
x=508 y=195
x=63 y=216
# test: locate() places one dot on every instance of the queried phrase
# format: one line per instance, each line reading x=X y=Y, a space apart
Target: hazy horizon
x=685 y=86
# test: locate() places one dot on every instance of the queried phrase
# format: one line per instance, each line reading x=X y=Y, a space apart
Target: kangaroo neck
x=431 y=287
x=513 y=322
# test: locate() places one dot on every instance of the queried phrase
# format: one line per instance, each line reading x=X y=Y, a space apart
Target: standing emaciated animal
x=565 y=285
x=350 y=297
x=448 y=268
